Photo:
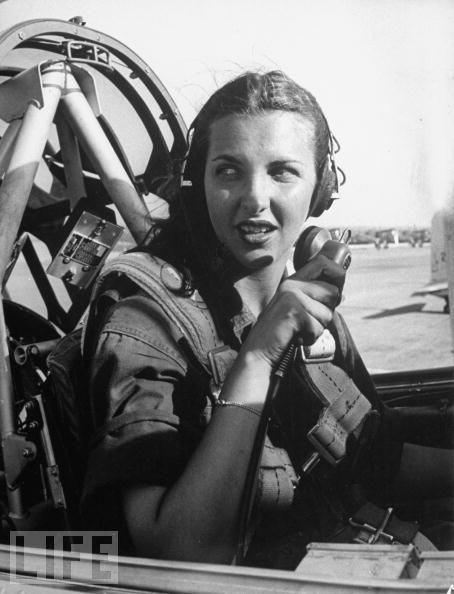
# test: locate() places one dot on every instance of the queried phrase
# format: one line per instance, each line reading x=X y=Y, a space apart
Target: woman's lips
x=255 y=232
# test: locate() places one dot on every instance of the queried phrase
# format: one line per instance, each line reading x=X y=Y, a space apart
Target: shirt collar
x=244 y=318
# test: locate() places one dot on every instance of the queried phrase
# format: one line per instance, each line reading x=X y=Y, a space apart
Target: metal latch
x=371 y=534
x=87 y=53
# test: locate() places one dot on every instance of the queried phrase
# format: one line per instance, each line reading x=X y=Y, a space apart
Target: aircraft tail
x=438 y=283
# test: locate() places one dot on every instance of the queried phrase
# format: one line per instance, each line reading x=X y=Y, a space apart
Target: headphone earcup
x=322 y=198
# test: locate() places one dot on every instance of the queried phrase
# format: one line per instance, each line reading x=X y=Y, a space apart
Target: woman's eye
x=227 y=172
x=284 y=174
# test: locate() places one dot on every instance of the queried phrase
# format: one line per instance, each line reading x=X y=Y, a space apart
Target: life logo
x=64 y=555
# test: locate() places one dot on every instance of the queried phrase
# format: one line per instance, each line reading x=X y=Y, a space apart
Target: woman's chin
x=262 y=262
x=257 y=262
x=256 y=259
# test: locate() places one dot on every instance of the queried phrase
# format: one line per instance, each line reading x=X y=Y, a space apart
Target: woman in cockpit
x=180 y=416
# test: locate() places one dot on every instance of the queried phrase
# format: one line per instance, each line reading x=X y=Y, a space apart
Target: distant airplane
x=438 y=284
x=384 y=237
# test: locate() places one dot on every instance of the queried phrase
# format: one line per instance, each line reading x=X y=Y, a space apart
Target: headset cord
x=247 y=500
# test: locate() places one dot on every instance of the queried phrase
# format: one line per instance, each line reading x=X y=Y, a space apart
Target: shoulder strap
x=161 y=282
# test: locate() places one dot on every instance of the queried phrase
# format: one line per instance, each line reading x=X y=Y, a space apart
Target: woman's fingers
x=312 y=326
x=321 y=291
x=321 y=268
x=310 y=305
x=293 y=313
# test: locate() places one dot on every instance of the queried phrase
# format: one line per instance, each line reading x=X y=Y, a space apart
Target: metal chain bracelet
x=221 y=403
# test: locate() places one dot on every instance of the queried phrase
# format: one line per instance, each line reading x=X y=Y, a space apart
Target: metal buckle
x=220 y=360
x=310 y=463
x=321 y=448
x=322 y=351
x=370 y=534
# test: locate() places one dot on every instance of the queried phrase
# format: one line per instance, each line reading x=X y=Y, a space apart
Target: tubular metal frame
x=21 y=150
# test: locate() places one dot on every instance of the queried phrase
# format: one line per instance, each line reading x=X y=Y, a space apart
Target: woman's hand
x=300 y=310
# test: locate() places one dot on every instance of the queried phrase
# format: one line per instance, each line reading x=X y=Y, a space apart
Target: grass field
x=392 y=329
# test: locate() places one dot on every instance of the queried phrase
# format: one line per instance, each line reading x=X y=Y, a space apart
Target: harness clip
x=321 y=351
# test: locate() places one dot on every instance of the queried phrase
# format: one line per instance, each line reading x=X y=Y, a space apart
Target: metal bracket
x=52 y=470
x=18 y=92
x=85 y=250
x=88 y=53
x=83 y=78
x=56 y=487
x=27 y=87
x=18 y=453
x=371 y=534
x=16 y=252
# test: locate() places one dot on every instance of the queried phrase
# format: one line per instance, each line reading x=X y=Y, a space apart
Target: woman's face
x=259 y=179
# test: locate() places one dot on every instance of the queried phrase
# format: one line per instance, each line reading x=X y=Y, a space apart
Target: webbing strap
x=344 y=410
x=277 y=478
x=189 y=314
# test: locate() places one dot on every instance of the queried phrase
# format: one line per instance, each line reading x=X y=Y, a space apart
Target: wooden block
x=359 y=561
x=437 y=567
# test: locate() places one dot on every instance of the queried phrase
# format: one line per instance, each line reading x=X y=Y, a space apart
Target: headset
x=330 y=180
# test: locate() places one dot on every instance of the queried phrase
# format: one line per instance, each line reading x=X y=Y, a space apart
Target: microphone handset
x=313 y=241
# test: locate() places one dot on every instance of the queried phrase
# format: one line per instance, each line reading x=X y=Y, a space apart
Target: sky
x=382 y=70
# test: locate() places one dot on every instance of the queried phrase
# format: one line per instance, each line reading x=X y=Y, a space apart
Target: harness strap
x=162 y=282
x=344 y=411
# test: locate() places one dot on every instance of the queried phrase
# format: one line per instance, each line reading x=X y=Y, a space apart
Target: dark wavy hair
x=186 y=238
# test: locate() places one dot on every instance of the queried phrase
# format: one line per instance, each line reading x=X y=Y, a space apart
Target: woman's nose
x=256 y=194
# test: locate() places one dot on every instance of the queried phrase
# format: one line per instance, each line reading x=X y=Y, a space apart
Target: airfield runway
x=392 y=329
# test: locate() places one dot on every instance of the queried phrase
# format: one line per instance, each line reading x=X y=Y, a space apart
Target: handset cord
x=247 y=500
x=338 y=251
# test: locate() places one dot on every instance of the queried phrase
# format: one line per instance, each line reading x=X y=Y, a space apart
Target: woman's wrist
x=255 y=361
x=248 y=380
